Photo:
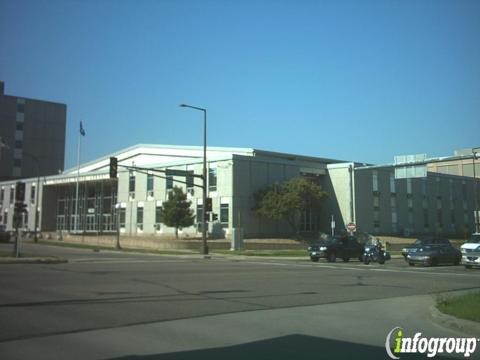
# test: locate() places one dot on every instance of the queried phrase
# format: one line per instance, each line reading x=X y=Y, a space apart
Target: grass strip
x=464 y=307
x=102 y=247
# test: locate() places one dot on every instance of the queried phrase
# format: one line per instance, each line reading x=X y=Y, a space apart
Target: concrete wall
x=252 y=174
x=338 y=185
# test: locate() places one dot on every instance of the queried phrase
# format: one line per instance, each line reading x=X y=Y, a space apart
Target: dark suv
x=345 y=248
x=421 y=242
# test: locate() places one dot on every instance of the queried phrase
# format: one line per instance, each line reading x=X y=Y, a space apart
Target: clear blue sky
x=356 y=80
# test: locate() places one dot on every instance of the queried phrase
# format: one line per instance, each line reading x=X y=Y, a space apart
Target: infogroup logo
x=396 y=344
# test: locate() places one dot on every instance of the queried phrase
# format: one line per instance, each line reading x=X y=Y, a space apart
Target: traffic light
x=20 y=207
x=113 y=167
x=214 y=217
x=208 y=208
x=20 y=192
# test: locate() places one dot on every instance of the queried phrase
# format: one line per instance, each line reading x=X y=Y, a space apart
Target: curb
x=33 y=260
x=452 y=322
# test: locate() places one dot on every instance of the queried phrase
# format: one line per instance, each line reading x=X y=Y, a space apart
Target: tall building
x=32 y=137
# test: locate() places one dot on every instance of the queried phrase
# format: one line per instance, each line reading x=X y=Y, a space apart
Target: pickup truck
x=345 y=248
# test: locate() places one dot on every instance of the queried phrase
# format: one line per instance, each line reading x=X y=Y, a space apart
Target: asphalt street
x=112 y=305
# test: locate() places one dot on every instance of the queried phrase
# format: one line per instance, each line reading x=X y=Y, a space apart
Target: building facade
x=32 y=136
x=369 y=196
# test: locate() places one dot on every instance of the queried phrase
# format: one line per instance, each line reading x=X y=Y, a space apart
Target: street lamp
x=204 y=202
x=474 y=156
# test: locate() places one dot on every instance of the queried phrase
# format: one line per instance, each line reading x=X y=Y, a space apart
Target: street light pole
x=204 y=202
x=474 y=156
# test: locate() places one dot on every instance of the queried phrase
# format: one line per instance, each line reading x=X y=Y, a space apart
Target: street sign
x=173 y=172
x=352 y=227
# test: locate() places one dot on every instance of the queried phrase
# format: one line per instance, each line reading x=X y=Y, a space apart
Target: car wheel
x=468 y=266
x=332 y=257
x=411 y=264
x=314 y=259
x=345 y=259
x=381 y=261
x=433 y=262
x=366 y=260
x=456 y=262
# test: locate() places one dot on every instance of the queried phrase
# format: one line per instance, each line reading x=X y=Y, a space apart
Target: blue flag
x=82 y=130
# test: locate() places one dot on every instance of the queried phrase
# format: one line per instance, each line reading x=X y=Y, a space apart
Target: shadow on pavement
x=291 y=347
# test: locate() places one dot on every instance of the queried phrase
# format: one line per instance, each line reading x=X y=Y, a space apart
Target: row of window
x=223 y=218
x=189 y=179
x=375 y=186
x=12 y=194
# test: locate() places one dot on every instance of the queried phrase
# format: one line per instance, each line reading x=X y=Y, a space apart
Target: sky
x=357 y=80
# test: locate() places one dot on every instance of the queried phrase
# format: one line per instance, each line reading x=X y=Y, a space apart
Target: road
x=112 y=305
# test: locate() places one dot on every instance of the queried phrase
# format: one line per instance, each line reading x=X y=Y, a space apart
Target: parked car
x=434 y=254
x=345 y=248
x=423 y=241
x=471 y=251
x=4 y=234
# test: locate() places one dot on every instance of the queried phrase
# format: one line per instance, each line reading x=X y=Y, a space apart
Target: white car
x=471 y=252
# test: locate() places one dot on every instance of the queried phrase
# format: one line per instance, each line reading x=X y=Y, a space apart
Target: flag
x=82 y=130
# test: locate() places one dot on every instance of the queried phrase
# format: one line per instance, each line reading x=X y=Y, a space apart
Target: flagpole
x=76 y=190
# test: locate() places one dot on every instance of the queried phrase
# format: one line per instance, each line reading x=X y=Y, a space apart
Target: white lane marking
x=422 y=272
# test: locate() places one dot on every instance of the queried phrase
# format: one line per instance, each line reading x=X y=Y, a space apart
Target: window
x=410 y=203
x=5 y=217
x=122 y=218
x=17 y=162
x=20 y=107
x=409 y=186
x=212 y=179
x=224 y=213
x=2 y=194
x=140 y=218
x=19 y=126
x=12 y=195
x=131 y=185
x=150 y=178
x=375 y=180
x=158 y=217
x=394 y=220
x=376 y=202
x=32 y=193
x=410 y=219
x=439 y=217
x=392 y=183
x=18 y=144
x=393 y=201
x=169 y=182
x=425 y=218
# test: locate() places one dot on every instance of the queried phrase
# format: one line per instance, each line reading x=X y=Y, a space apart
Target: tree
x=176 y=210
x=289 y=200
